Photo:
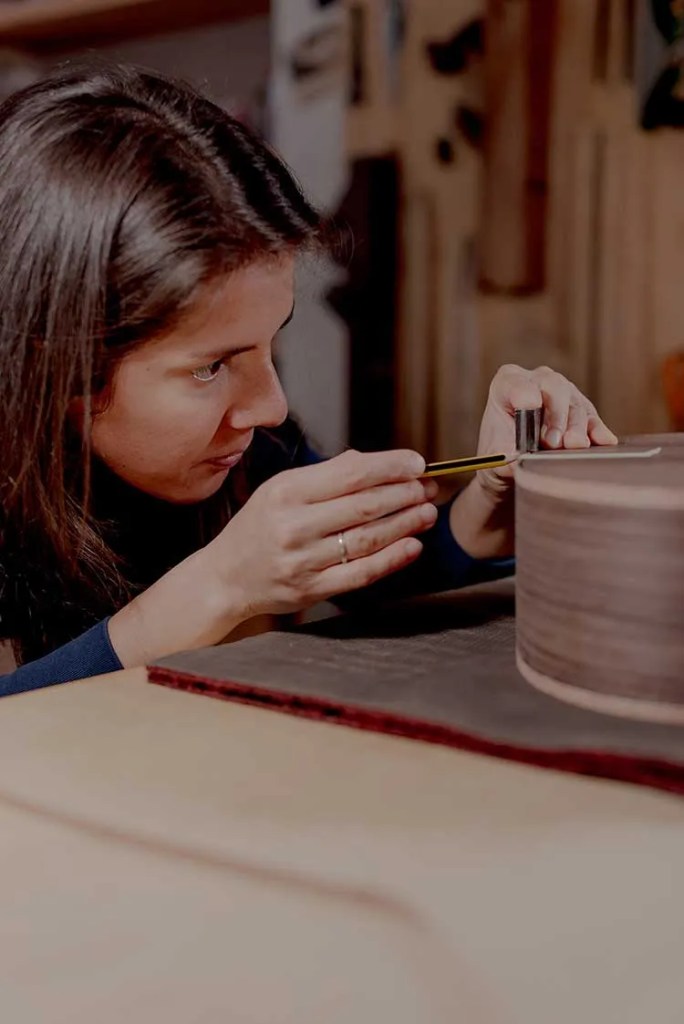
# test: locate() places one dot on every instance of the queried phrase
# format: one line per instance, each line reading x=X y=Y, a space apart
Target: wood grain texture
x=438 y=352
x=600 y=592
x=521 y=37
x=47 y=26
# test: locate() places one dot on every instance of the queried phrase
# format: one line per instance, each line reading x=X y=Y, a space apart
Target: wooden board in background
x=44 y=26
x=438 y=345
x=520 y=55
x=666 y=290
x=611 y=305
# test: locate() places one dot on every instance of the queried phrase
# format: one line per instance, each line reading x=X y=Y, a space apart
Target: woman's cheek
x=174 y=418
x=205 y=424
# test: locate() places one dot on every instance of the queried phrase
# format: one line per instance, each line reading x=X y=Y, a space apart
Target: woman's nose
x=264 y=406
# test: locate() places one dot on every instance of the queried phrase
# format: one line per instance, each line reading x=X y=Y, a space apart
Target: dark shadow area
x=421 y=616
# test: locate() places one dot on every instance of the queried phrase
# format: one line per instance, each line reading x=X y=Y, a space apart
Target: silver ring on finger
x=344 y=554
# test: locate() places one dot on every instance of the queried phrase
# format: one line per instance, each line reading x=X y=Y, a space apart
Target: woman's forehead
x=249 y=303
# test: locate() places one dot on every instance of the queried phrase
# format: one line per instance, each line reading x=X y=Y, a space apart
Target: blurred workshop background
x=512 y=171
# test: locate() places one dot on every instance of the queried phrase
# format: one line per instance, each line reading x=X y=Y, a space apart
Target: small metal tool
x=527 y=430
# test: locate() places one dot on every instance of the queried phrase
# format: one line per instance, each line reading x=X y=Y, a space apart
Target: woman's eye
x=209 y=372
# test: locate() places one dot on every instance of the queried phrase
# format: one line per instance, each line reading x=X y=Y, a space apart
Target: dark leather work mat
x=439 y=669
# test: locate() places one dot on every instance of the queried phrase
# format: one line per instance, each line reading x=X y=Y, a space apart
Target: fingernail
x=431 y=489
x=428 y=513
x=554 y=438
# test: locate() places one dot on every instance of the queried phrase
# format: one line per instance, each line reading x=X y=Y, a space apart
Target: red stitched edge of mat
x=653 y=772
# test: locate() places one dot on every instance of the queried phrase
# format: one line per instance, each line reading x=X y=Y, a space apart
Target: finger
x=599 y=433
x=366 y=540
x=557 y=394
x=340 y=579
x=576 y=433
x=369 y=505
x=351 y=472
x=515 y=388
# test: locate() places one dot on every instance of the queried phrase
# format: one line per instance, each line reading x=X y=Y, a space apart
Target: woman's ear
x=99 y=401
x=76 y=411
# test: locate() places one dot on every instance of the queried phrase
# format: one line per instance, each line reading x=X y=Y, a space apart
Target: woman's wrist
x=482 y=521
x=189 y=607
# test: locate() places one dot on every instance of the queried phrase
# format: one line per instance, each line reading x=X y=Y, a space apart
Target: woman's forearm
x=483 y=522
x=187 y=608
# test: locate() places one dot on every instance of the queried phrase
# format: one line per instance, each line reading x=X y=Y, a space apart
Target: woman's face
x=183 y=408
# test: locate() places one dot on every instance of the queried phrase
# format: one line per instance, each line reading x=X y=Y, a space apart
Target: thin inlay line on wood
x=625 y=707
x=590 y=453
x=597 y=493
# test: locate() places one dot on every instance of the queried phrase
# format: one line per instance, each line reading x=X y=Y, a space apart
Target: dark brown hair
x=121 y=194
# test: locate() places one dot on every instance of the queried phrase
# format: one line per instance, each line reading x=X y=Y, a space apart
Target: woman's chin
x=200 y=490
x=198 y=487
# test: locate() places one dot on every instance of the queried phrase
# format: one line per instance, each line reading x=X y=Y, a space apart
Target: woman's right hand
x=281 y=553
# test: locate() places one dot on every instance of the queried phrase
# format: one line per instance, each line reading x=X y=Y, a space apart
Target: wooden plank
x=571 y=229
x=621 y=346
x=518 y=74
x=44 y=26
x=662 y=184
x=417 y=328
x=631 y=357
x=438 y=347
x=504 y=229
x=372 y=128
x=620 y=340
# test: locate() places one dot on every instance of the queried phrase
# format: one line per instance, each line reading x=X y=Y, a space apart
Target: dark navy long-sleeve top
x=443 y=565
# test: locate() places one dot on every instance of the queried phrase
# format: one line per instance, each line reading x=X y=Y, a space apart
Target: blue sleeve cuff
x=448 y=566
x=88 y=655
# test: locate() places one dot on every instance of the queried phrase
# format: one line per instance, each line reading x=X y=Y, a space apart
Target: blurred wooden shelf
x=52 y=25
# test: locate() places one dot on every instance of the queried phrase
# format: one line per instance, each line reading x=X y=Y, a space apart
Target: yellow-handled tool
x=527 y=433
x=469 y=465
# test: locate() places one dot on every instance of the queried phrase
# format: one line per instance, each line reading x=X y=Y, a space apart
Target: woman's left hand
x=482 y=518
x=569 y=419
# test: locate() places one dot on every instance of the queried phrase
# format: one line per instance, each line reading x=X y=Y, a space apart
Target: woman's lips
x=226 y=461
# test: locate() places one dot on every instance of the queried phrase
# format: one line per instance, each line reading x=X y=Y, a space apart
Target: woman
x=153 y=493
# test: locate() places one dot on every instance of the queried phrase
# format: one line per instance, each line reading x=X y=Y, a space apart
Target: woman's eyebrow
x=224 y=351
